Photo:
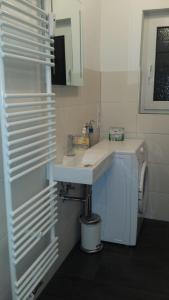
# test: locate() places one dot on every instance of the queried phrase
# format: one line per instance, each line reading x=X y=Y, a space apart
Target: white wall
x=121 y=25
x=92 y=28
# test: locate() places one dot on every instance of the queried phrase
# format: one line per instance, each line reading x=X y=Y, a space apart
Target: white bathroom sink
x=83 y=168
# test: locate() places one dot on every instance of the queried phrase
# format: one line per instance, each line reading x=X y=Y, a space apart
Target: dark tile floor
x=119 y=272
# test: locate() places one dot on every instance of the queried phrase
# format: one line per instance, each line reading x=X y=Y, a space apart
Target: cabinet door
x=71 y=10
x=99 y=200
x=111 y=201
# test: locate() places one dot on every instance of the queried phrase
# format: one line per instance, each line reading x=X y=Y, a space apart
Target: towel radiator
x=29 y=144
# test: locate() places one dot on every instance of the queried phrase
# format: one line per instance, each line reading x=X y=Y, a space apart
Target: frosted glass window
x=161 y=82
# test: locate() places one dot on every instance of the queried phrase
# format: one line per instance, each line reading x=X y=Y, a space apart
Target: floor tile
x=118 y=272
x=78 y=264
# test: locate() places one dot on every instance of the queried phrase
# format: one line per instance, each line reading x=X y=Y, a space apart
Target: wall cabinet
x=68 y=24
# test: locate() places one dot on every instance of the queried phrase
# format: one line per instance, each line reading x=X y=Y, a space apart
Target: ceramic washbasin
x=83 y=168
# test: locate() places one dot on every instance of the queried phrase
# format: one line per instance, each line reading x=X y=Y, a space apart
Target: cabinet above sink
x=68 y=35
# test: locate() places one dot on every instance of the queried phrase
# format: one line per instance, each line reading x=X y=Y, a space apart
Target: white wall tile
x=74 y=96
x=158 y=148
x=91 y=33
x=159 y=178
x=119 y=86
x=70 y=120
x=119 y=114
x=148 y=123
x=158 y=206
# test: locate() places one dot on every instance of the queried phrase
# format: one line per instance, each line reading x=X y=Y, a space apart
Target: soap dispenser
x=91 y=133
x=84 y=130
x=91 y=129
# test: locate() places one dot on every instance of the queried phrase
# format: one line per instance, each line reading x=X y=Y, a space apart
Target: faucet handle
x=92 y=122
x=91 y=125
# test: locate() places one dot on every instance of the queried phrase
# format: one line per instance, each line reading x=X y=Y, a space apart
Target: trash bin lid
x=93 y=219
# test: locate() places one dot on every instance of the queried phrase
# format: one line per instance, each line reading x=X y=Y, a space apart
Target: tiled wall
x=120 y=61
x=74 y=107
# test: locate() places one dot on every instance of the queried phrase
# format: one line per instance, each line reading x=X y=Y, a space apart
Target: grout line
x=159 y=193
x=119 y=101
x=158 y=164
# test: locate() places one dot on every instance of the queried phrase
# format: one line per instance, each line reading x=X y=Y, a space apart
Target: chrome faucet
x=69 y=148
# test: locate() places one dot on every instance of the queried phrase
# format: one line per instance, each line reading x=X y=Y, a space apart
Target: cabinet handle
x=150 y=72
x=70 y=76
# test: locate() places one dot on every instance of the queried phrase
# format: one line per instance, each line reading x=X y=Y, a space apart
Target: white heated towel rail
x=29 y=143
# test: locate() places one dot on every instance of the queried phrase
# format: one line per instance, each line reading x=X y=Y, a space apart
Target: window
x=155 y=63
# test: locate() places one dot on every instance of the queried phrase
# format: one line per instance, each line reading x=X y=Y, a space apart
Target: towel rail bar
x=28 y=50
x=28 y=142
x=46 y=205
x=25 y=164
x=11 y=124
x=33 y=199
x=30 y=137
x=31 y=145
x=26 y=275
x=24 y=12
x=29 y=95
x=36 y=8
x=32 y=128
x=26 y=31
x=39 y=274
x=25 y=58
x=29 y=233
x=12 y=178
x=53 y=245
x=33 y=206
x=29 y=112
x=21 y=157
x=21 y=252
x=24 y=104
x=22 y=39
x=6 y=14
x=41 y=217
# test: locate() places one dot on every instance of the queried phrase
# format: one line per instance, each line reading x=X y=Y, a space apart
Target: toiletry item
x=81 y=140
x=91 y=129
x=84 y=139
x=116 y=134
x=93 y=133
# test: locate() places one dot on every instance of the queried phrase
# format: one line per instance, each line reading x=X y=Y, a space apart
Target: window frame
x=151 y=20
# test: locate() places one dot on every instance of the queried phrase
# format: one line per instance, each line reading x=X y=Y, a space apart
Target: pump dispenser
x=85 y=135
x=84 y=131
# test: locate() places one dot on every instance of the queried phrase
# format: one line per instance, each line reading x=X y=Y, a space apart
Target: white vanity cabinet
x=71 y=12
x=120 y=195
